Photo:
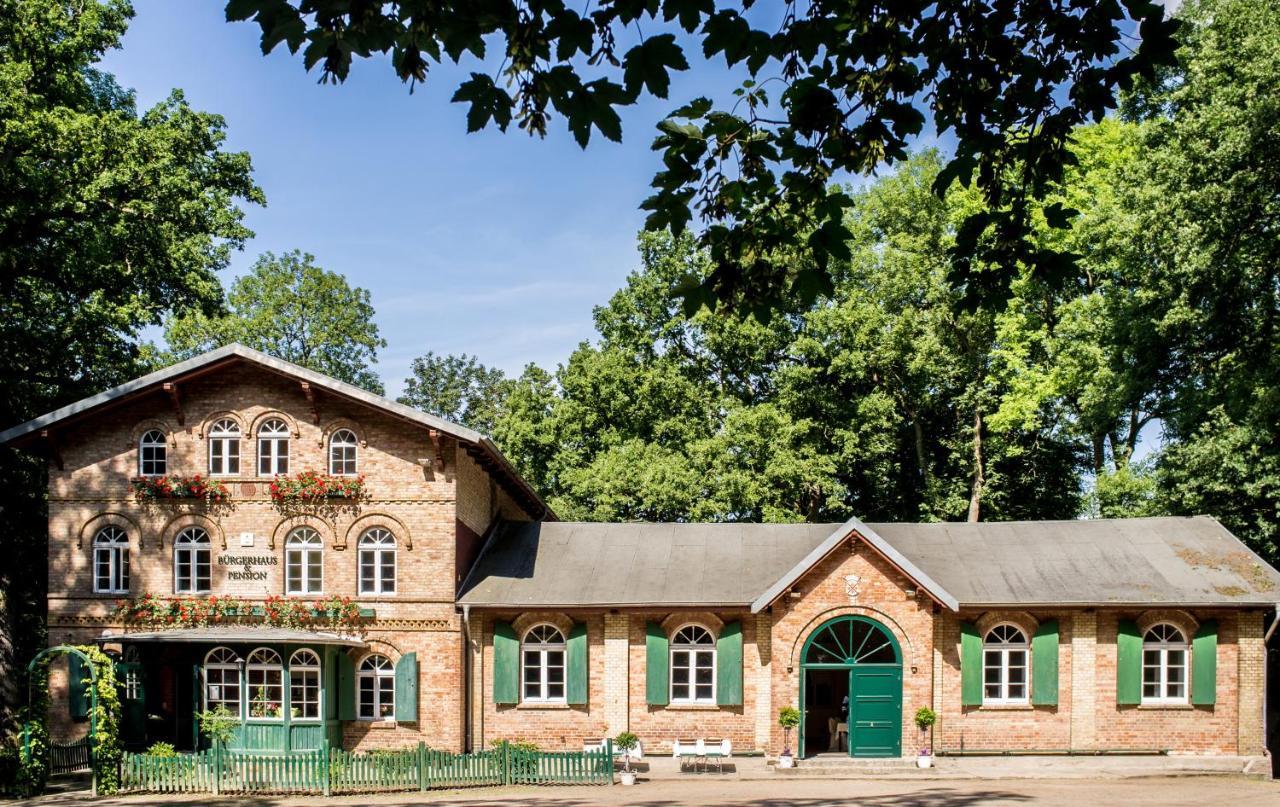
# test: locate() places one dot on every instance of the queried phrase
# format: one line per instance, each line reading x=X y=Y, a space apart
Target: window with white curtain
x=273 y=448
x=111 y=561
x=377 y=552
x=224 y=448
x=304 y=562
x=192 y=562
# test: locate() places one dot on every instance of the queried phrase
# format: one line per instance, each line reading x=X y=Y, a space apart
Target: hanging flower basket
x=159 y=488
x=181 y=612
x=310 y=486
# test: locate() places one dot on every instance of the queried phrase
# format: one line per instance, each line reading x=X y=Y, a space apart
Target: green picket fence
x=326 y=771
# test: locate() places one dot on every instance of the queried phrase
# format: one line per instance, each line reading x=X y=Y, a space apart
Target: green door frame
x=851 y=667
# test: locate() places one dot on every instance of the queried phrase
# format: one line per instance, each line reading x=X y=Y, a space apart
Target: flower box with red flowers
x=158 y=488
x=310 y=486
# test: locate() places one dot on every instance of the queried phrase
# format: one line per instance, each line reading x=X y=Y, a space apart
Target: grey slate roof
x=1167 y=561
x=234 y=634
x=234 y=351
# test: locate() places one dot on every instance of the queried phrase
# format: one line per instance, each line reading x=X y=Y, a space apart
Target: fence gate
x=69 y=757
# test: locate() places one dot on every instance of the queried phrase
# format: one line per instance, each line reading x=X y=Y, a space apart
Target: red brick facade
x=439 y=504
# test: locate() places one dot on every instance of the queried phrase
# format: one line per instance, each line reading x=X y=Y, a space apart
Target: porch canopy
x=233 y=634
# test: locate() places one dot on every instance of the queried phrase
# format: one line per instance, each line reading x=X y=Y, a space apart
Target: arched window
x=153 y=454
x=191 y=562
x=304 y=562
x=1004 y=665
x=266 y=684
x=377 y=562
x=224 y=448
x=1164 y=665
x=342 y=453
x=377 y=679
x=542 y=665
x=304 y=685
x=222 y=680
x=273 y=448
x=693 y=665
x=111 y=561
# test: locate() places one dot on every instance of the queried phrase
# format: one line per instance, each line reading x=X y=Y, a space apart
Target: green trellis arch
x=42 y=657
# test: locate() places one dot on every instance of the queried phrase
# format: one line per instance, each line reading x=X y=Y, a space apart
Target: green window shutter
x=1128 y=663
x=1044 y=664
x=346 y=687
x=407 y=688
x=729 y=665
x=1204 y=665
x=506 y=664
x=970 y=665
x=657 y=662
x=576 y=650
x=77 y=688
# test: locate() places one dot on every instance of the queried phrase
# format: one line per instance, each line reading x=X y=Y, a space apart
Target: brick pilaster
x=765 y=710
x=1251 y=682
x=1084 y=684
x=616 y=673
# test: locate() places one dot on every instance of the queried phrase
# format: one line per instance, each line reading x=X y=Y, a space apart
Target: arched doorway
x=857 y=658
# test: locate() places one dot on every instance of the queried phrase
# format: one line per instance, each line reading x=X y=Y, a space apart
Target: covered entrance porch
x=283 y=687
x=851 y=690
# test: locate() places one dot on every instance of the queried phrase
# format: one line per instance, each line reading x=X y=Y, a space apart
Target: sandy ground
x=1191 y=791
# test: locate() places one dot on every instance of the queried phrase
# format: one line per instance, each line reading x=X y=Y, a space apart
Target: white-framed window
x=1005 y=655
x=542 y=665
x=377 y=562
x=304 y=685
x=111 y=561
x=342 y=453
x=192 y=562
x=304 y=562
x=1164 y=665
x=273 y=448
x=693 y=665
x=377 y=684
x=265 y=676
x=224 y=448
x=222 y=680
x=153 y=454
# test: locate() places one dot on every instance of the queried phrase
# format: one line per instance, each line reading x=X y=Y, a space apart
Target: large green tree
x=457 y=388
x=833 y=87
x=290 y=308
x=109 y=218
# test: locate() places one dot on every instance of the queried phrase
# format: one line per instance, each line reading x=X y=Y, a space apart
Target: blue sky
x=491 y=244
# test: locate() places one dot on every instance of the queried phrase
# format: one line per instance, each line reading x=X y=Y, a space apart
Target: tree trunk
x=979 y=478
x=1099 y=452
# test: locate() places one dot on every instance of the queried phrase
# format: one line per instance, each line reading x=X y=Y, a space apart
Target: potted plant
x=925 y=718
x=788 y=718
x=626 y=743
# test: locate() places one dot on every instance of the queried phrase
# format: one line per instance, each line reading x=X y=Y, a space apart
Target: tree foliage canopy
x=836 y=88
x=109 y=219
x=290 y=308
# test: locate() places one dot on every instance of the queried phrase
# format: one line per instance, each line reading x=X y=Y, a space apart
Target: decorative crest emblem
x=851 y=587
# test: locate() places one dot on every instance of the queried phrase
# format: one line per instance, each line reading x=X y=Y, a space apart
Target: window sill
x=1006 y=707
x=1166 y=707
x=381 y=723
x=692 y=707
x=548 y=705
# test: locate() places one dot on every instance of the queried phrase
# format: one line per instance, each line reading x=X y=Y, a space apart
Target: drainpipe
x=1266 y=707
x=466 y=678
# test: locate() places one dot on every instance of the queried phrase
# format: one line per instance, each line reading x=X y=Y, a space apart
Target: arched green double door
x=866 y=652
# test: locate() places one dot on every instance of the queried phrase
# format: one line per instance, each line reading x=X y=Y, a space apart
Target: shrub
x=159 y=749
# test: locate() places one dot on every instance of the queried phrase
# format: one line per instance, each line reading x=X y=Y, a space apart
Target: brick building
x=482 y=617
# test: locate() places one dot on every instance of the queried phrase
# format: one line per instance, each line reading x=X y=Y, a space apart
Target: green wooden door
x=873 y=659
x=133 y=704
x=875 y=711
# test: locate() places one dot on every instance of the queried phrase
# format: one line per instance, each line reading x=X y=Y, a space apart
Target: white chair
x=687 y=750
x=719 y=750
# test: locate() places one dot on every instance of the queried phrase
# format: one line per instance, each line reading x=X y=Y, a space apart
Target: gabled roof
x=1187 y=562
x=235 y=352
x=835 y=539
